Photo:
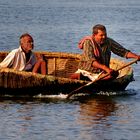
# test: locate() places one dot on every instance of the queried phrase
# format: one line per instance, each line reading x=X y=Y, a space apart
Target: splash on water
x=117 y=93
x=64 y=96
x=61 y=96
x=103 y=93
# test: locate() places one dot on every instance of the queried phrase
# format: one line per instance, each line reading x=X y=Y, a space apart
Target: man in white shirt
x=23 y=58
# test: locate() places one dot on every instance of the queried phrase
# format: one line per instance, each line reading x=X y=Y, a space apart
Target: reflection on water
x=57 y=25
x=96 y=111
x=100 y=117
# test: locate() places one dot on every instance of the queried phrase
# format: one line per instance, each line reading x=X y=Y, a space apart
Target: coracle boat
x=60 y=66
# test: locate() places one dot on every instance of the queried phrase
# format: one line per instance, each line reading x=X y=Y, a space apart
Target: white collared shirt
x=16 y=59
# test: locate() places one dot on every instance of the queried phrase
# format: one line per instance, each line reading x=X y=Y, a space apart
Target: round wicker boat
x=60 y=66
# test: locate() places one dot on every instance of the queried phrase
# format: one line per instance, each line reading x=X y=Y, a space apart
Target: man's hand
x=113 y=74
x=133 y=55
x=138 y=57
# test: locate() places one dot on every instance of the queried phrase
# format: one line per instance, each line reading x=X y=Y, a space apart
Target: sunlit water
x=57 y=25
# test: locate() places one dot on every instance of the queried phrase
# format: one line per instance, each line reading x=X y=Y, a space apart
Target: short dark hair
x=98 y=27
x=25 y=34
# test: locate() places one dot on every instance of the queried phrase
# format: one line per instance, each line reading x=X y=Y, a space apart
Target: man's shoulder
x=88 y=43
x=111 y=39
x=15 y=50
x=85 y=40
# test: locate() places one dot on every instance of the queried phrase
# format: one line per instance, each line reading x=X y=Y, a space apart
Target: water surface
x=57 y=25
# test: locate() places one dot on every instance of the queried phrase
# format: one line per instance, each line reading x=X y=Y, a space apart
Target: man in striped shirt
x=96 y=55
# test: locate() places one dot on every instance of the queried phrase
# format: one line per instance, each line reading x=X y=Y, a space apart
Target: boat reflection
x=97 y=111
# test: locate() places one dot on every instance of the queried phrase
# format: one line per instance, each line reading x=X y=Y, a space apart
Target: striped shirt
x=89 y=56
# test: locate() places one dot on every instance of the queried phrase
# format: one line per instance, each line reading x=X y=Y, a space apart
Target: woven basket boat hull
x=59 y=68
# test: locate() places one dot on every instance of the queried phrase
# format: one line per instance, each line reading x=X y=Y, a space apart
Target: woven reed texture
x=64 y=64
x=3 y=55
x=117 y=63
x=59 y=66
x=58 y=63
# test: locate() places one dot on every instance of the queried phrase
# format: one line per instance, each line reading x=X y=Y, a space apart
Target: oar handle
x=126 y=65
x=102 y=77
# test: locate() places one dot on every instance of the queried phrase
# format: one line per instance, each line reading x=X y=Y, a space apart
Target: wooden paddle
x=100 y=78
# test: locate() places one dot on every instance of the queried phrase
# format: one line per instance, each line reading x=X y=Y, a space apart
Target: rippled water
x=57 y=25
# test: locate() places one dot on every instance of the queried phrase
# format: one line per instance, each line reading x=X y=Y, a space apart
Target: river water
x=57 y=25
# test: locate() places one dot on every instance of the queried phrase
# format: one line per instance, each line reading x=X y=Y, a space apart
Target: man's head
x=99 y=33
x=26 y=42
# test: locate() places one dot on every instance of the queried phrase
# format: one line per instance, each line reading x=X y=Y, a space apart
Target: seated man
x=23 y=59
x=97 y=49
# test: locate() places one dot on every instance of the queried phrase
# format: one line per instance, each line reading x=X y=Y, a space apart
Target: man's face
x=27 y=44
x=100 y=37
